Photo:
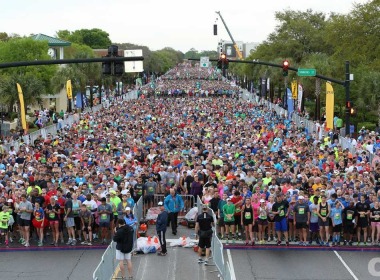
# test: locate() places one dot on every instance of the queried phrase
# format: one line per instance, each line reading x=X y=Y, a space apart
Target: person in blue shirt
x=336 y=218
x=173 y=204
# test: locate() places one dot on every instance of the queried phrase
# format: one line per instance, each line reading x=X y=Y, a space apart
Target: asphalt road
x=301 y=265
x=47 y=265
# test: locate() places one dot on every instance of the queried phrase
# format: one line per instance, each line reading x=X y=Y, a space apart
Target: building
x=228 y=48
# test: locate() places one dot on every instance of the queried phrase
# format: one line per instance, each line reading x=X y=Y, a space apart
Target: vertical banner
x=22 y=107
x=69 y=90
x=294 y=89
x=290 y=102
x=329 y=106
x=79 y=100
x=300 y=92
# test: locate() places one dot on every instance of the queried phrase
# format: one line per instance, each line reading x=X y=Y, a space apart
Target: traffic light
x=119 y=68
x=350 y=108
x=223 y=62
x=285 y=66
x=106 y=68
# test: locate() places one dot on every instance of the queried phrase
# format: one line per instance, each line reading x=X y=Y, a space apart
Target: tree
x=34 y=80
x=94 y=38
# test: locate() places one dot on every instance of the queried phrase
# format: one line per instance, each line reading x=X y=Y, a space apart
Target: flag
x=300 y=92
x=290 y=102
x=22 y=107
x=329 y=106
x=294 y=89
x=69 y=90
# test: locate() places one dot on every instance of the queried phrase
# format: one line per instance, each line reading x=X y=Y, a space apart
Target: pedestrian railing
x=53 y=129
x=107 y=266
x=303 y=122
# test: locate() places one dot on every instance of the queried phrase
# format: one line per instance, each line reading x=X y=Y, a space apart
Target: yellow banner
x=22 y=107
x=294 y=89
x=329 y=106
x=69 y=89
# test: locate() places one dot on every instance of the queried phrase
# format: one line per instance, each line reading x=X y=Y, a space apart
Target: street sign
x=306 y=72
x=204 y=62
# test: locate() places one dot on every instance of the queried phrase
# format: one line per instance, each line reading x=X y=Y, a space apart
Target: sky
x=181 y=25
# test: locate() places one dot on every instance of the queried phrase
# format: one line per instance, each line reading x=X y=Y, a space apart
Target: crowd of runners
x=188 y=80
x=265 y=178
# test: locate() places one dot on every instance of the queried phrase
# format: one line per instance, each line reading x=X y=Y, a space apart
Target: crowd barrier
x=107 y=265
x=310 y=126
x=68 y=121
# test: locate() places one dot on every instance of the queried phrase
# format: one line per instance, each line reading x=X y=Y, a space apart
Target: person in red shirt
x=61 y=201
x=238 y=201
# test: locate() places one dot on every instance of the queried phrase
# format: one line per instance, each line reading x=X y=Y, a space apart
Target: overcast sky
x=167 y=23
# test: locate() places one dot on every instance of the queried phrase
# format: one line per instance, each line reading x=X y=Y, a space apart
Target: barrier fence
x=309 y=125
x=67 y=122
x=107 y=265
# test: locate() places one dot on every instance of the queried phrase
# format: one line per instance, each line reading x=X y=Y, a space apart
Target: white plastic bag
x=192 y=214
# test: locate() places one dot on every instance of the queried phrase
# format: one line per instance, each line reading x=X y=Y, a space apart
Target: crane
x=238 y=52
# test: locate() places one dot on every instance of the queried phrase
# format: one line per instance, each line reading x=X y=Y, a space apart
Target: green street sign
x=306 y=72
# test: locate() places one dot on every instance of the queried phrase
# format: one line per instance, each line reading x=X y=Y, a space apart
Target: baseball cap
x=160 y=203
x=205 y=206
x=262 y=200
x=113 y=191
x=300 y=197
x=127 y=208
x=228 y=199
x=10 y=200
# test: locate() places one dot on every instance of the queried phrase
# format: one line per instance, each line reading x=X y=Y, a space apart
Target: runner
x=247 y=221
x=363 y=210
x=86 y=218
x=105 y=212
x=173 y=205
x=271 y=232
x=262 y=220
x=302 y=219
x=229 y=219
x=350 y=220
x=337 y=222
x=25 y=209
x=39 y=222
x=4 y=223
x=221 y=223
x=69 y=219
x=314 y=228
x=52 y=212
x=323 y=212
x=375 y=223
x=280 y=210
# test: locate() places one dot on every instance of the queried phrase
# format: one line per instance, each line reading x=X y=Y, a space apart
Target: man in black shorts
x=363 y=209
x=203 y=229
x=350 y=220
x=302 y=219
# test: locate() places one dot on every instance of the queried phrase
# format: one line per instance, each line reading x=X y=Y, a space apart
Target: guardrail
x=69 y=121
x=311 y=126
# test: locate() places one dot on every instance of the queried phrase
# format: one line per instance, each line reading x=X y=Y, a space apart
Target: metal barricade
x=106 y=268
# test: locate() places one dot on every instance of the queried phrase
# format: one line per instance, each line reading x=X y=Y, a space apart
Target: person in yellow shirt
x=317 y=184
x=4 y=221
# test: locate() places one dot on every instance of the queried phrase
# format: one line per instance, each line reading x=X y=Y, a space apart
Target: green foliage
x=311 y=39
x=94 y=38
x=34 y=80
x=193 y=53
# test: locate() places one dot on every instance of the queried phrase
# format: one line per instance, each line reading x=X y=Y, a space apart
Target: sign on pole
x=204 y=62
x=306 y=72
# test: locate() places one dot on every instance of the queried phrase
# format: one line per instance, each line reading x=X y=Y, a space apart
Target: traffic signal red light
x=285 y=66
